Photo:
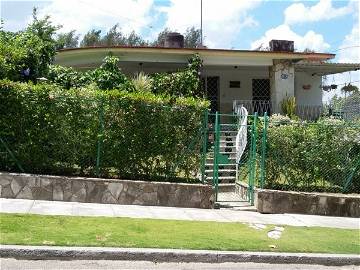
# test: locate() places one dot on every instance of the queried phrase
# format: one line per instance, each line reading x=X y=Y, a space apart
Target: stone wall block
x=79 y=196
x=6 y=192
x=108 y=198
x=79 y=189
x=58 y=193
x=97 y=192
x=276 y=202
x=115 y=189
x=25 y=193
x=5 y=179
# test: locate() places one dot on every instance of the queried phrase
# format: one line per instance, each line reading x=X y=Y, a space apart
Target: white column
x=282 y=84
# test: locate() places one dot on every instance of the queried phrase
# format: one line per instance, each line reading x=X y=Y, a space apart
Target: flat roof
x=92 y=56
x=326 y=68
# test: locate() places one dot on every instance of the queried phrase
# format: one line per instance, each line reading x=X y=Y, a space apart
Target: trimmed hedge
x=132 y=135
x=322 y=156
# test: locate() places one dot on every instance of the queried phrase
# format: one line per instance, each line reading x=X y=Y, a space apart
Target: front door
x=211 y=87
x=261 y=96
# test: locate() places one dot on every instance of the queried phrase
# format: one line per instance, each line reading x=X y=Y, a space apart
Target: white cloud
x=84 y=15
x=222 y=20
x=310 y=40
x=348 y=53
x=323 y=10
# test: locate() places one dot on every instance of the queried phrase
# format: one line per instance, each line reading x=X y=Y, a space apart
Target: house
x=259 y=80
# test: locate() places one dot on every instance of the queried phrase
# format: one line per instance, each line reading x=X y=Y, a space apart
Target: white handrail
x=241 y=137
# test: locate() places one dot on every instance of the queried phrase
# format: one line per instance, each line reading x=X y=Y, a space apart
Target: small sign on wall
x=234 y=84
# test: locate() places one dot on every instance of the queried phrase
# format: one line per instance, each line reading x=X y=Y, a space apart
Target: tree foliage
x=91 y=38
x=54 y=131
x=26 y=55
x=107 y=76
x=67 y=40
x=192 y=38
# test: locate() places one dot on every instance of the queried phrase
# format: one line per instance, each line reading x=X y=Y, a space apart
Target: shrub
x=107 y=76
x=313 y=156
x=138 y=135
x=182 y=83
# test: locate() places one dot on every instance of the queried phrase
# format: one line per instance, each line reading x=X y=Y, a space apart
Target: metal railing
x=304 y=112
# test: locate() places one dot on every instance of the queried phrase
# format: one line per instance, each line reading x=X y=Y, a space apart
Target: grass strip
x=24 y=229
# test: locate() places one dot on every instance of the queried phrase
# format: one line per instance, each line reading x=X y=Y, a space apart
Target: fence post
x=100 y=137
x=253 y=159
x=216 y=153
x=263 y=151
x=204 y=146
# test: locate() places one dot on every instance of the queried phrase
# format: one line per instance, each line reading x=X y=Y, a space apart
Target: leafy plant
x=182 y=83
x=142 y=135
x=26 y=55
x=313 y=156
x=288 y=107
x=142 y=82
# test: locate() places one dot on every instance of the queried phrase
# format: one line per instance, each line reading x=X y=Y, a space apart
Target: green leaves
x=143 y=135
x=182 y=83
x=313 y=156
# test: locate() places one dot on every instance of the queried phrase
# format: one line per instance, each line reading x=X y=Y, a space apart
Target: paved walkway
x=157 y=212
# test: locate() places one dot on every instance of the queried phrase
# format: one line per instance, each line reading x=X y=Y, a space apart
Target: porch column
x=282 y=76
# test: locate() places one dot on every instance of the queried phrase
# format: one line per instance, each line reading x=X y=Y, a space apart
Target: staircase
x=227 y=157
x=227 y=126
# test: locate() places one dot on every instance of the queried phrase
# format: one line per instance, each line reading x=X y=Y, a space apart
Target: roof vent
x=174 y=40
x=281 y=45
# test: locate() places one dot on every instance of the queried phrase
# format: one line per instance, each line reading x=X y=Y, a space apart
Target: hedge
x=130 y=135
x=322 y=156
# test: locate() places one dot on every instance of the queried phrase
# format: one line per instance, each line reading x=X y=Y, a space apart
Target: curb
x=172 y=255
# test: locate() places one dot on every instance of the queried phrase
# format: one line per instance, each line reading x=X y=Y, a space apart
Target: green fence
x=312 y=157
x=102 y=137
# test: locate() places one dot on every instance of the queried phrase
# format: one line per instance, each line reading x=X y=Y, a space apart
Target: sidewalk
x=158 y=212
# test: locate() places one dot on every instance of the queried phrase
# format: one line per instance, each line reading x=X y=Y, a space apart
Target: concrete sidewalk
x=157 y=212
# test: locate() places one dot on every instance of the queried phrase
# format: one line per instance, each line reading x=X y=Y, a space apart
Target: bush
x=182 y=83
x=138 y=135
x=107 y=76
x=313 y=156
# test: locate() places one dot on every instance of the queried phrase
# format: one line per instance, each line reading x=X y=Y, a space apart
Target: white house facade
x=260 y=80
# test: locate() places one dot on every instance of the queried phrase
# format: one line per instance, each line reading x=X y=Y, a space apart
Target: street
x=13 y=264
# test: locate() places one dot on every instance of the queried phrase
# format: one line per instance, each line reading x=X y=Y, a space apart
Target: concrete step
x=222 y=170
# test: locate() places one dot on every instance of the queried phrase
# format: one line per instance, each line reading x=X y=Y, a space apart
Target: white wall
x=312 y=96
x=282 y=77
x=242 y=74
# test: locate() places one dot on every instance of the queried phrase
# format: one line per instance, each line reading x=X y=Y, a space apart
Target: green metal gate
x=220 y=153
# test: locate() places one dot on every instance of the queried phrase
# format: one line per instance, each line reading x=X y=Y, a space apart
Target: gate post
x=253 y=159
x=263 y=151
x=216 y=154
x=204 y=146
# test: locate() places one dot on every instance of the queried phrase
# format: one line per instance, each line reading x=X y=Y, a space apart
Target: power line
x=116 y=15
x=344 y=48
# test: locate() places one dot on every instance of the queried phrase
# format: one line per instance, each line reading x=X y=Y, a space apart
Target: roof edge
x=307 y=55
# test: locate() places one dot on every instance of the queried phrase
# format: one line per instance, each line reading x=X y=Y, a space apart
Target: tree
x=114 y=37
x=160 y=41
x=26 y=55
x=134 y=39
x=192 y=38
x=91 y=38
x=67 y=40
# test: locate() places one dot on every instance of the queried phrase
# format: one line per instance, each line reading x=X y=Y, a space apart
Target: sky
x=321 y=25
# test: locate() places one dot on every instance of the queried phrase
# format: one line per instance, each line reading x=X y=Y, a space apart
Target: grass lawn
x=24 y=229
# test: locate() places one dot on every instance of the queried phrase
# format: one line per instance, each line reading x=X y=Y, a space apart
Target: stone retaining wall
x=97 y=190
x=277 y=202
